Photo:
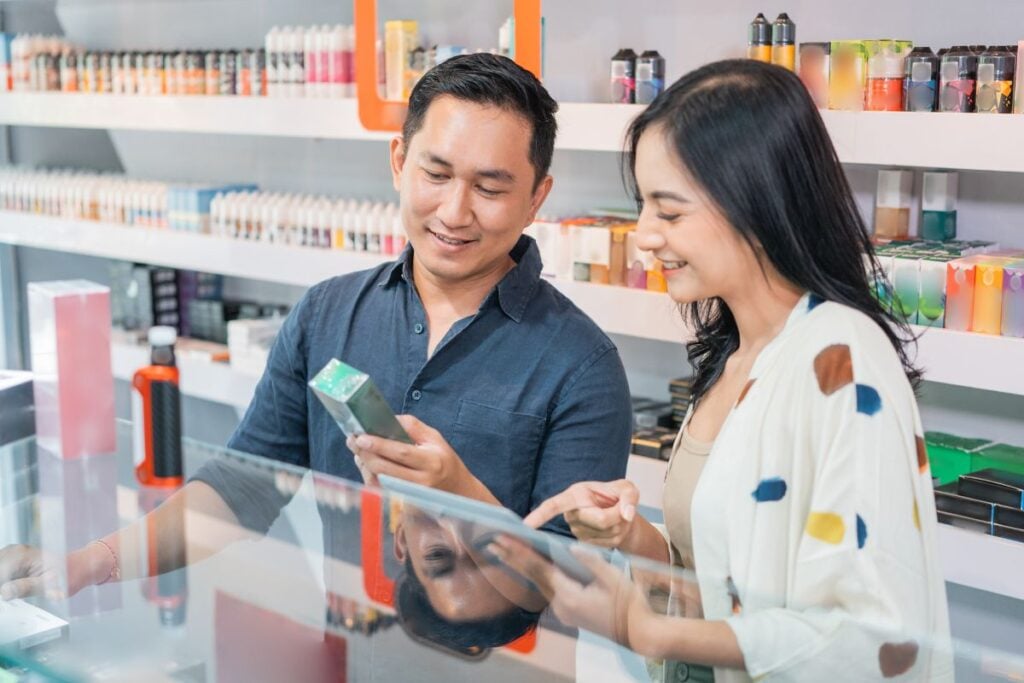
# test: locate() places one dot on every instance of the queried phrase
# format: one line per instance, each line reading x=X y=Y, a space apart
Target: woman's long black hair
x=750 y=135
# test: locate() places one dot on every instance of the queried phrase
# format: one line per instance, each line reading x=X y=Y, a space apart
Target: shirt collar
x=513 y=292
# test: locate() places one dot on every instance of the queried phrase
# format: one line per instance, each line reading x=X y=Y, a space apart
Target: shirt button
x=416 y=395
x=418 y=329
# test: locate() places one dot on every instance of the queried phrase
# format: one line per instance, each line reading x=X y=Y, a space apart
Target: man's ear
x=397 y=154
x=400 y=548
x=539 y=195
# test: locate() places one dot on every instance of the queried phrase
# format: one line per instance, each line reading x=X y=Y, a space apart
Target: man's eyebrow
x=499 y=174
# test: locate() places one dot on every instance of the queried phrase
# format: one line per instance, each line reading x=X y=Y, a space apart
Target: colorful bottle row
x=637 y=79
x=296 y=62
x=966 y=286
x=892 y=75
x=597 y=249
x=308 y=221
x=774 y=43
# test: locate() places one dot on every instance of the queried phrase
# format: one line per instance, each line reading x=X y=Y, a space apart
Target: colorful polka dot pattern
x=770 y=490
x=922 y=455
x=896 y=659
x=743 y=394
x=868 y=400
x=917 y=517
x=827 y=527
x=862 y=532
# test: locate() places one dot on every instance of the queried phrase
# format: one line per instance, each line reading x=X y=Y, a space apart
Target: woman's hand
x=597 y=512
x=611 y=605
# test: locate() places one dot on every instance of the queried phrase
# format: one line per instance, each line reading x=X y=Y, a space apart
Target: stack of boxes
x=979 y=484
x=960 y=285
x=656 y=424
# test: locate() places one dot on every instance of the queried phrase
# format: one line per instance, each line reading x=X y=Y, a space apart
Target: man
x=522 y=393
x=510 y=393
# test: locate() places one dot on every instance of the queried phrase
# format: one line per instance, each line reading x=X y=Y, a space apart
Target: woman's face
x=703 y=255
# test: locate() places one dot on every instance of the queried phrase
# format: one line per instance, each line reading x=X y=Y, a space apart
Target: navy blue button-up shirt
x=529 y=391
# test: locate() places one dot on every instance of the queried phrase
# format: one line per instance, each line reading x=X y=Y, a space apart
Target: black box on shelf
x=1008 y=517
x=994 y=486
x=681 y=385
x=654 y=443
x=949 y=500
x=1008 y=532
x=964 y=522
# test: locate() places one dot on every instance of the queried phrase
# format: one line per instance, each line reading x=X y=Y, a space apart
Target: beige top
x=684 y=468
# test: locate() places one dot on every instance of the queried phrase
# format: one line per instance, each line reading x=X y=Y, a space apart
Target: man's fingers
x=405 y=454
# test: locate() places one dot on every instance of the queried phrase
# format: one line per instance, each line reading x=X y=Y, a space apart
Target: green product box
x=999 y=456
x=951 y=456
x=355 y=403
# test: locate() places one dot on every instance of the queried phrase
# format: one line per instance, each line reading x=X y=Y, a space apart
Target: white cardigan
x=814 y=524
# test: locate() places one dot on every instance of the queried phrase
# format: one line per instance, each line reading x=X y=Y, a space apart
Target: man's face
x=467 y=188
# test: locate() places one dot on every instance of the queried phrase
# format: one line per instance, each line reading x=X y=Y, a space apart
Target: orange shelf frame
x=376 y=113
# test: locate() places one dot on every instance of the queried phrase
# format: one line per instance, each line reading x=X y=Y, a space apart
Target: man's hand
x=428 y=461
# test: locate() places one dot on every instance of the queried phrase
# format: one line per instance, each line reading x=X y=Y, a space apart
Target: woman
x=799 y=489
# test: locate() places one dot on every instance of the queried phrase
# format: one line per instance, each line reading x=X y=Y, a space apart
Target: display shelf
x=963 y=359
x=203 y=379
x=582 y=126
x=968 y=141
x=259 y=261
x=969 y=359
x=987 y=563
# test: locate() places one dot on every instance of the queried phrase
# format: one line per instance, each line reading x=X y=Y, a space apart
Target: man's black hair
x=419 y=619
x=484 y=78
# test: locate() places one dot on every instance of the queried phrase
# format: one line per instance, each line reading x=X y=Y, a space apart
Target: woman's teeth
x=673 y=265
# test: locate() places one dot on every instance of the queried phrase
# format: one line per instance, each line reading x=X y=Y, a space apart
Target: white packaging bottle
x=335 y=64
x=311 y=63
x=298 y=44
x=323 y=60
x=284 y=62
x=272 y=62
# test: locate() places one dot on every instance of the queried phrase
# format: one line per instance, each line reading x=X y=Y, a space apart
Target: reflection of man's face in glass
x=460 y=583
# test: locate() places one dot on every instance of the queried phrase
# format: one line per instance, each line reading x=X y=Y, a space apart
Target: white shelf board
x=969 y=359
x=260 y=261
x=207 y=380
x=582 y=126
x=968 y=141
x=975 y=142
x=976 y=560
x=292 y=117
x=965 y=359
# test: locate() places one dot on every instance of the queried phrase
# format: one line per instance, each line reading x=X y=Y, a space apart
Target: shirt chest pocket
x=500 y=448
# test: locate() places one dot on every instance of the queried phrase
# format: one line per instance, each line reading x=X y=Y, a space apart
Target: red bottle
x=156 y=413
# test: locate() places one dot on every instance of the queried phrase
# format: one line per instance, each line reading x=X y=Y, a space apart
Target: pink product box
x=69 y=335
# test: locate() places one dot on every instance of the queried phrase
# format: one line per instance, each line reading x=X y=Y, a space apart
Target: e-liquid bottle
x=759 y=39
x=921 y=80
x=156 y=414
x=885 y=79
x=784 y=42
x=996 y=68
x=650 y=76
x=958 y=80
x=623 y=81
